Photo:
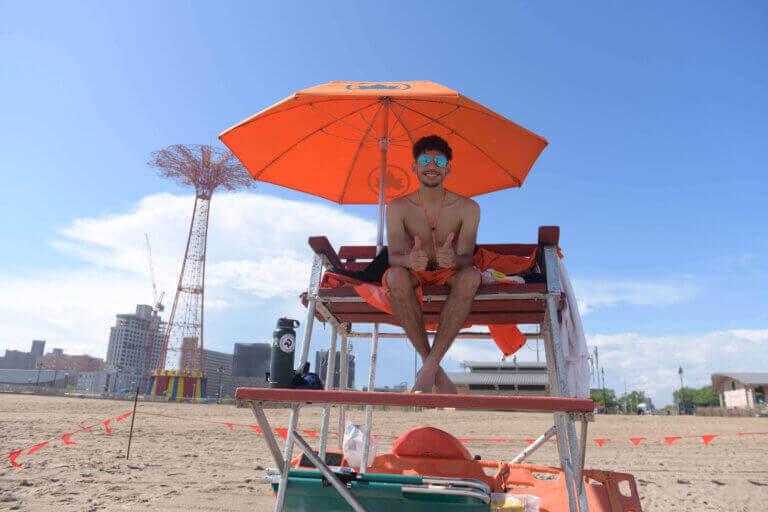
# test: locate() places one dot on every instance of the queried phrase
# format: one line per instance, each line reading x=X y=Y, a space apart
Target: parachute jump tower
x=180 y=366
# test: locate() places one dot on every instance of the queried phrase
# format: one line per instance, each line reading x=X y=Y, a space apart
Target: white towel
x=577 y=369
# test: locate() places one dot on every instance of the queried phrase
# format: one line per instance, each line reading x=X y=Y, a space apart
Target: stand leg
x=314 y=283
x=329 y=375
x=369 y=408
x=343 y=372
x=269 y=436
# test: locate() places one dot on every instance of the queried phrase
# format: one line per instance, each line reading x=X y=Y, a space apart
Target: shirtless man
x=431 y=240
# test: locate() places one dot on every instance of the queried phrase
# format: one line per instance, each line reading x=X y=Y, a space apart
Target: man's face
x=431 y=175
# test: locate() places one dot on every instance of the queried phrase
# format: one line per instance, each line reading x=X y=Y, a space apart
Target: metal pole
x=314 y=284
x=269 y=436
x=328 y=474
x=330 y=373
x=369 y=408
x=384 y=147
x=343 y=380
x=605 y=399
x=546 y=436
x=133 y=417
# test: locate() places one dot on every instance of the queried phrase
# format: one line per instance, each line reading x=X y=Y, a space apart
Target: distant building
x=37 y=378
x=18 y=360
x=510 y=378
x=97 y=381
x=57 y=360
x=321 y=368
x=218 y=372
x=251 y=359
x=134 y=347
x=742 y=390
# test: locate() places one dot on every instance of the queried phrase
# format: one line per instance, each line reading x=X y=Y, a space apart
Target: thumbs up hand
x=446 y=256
x=419 y=258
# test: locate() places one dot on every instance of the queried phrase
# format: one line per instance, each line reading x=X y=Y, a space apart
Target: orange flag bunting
x=256 y=428
x=310 y=433
x=106 y=426
x=65 y=438
x=671 y=440
x=601 y=442
x=282 y=432
x=36 y=447
x=708 y=439
x=12 y=457
x=636 y=440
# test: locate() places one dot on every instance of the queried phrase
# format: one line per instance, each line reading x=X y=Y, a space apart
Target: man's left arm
x=467 y=237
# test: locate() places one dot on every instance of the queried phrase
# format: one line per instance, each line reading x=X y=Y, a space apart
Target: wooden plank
x=497 y=403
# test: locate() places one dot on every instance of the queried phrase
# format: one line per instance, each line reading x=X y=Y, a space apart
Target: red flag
x=66 y=440
x=310 y=433
x=121 y=418
x=464 y=440
x=12 y=457
x=230 y=426
x=530 y=441
x=671 y=440
x=282 y=432
x=600 y=442
x=36 y=447
x=636 y=440
x=256 y=428
x=106 y=426
x=708 y=439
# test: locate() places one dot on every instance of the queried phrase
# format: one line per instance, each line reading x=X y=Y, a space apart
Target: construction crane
x=158 y=302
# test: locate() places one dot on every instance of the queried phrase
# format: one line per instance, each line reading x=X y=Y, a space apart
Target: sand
x=191 y=466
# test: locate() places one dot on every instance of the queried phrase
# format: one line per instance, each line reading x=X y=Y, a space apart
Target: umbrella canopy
x=333 y=140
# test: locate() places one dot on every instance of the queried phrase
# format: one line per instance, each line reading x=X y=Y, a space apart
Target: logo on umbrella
x=397 y=181
x=378 y=86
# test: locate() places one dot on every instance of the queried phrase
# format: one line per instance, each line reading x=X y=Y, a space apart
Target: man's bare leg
x=405 y=305
x=463 y=285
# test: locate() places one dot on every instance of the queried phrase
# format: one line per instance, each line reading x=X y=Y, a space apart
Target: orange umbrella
x=334 y=141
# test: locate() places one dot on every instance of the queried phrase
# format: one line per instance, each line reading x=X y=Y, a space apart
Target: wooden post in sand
x=133 y=417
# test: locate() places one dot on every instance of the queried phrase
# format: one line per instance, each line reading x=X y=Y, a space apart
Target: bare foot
x=444 y=384
x=425 y=379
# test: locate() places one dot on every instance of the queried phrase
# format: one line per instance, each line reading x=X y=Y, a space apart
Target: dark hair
x=432 y=143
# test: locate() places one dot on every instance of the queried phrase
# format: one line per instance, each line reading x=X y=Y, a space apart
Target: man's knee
x=399 y=280
x=467 y=280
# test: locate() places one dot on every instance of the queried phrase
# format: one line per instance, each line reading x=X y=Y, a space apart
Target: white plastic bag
x=514 y=502
x=353 y=445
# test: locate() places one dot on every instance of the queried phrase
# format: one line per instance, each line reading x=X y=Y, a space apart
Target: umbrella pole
x=384 y=146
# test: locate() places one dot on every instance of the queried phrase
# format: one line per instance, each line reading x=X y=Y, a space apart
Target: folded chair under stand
x=499 y=304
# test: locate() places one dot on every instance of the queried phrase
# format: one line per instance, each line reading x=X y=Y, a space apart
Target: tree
x=632 y=400
x=701 y=397
x=597 y=397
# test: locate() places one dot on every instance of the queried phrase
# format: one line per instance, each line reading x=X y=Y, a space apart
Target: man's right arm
x=398 y=241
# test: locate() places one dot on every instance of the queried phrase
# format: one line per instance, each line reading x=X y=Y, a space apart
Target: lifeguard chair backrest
x=357 y=257
x=430 y=442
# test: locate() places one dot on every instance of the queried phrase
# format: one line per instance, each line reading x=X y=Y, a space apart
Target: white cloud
x=594 y=294
x=650 y=363
x=257 y=244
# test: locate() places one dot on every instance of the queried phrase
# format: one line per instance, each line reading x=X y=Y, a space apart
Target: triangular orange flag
x=636 y=440
x=310 y=433
x=66 y=440
x=256 y=428
x=530 y=441
x=12 y=457
x=708 y=439
x=282 y=432
x=600 y=442
x=671 y=440
x=37 y=447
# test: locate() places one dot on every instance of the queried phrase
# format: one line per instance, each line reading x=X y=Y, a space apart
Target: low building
x=58 y=360
x=741 y=390
x=510 y=378
x=37 y=378
x=321 y=368
x=20 y=360
x=97 y=382
x=218 y=373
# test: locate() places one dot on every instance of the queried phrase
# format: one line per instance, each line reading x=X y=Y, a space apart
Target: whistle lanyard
x=432 y=225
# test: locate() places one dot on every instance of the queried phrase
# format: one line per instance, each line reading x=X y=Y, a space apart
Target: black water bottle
x=281 y=357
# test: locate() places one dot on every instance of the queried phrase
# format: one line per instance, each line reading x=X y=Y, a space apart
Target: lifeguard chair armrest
x=497 y=403
x=321 y=245
x=549 y=235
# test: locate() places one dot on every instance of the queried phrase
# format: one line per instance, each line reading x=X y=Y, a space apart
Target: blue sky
x=655 y=114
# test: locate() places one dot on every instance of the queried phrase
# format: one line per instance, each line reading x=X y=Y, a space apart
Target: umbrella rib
x=357 y=153
x=436 y=120
x=363 y=118
x=278 y=157
x=357 y=109
x=407 y=131
x=455 y=108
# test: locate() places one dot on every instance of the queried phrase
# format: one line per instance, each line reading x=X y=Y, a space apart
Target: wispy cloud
x=257 y=247
x=595 y=294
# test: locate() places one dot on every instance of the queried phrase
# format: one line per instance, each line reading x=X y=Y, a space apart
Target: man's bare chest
x=418 y=223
